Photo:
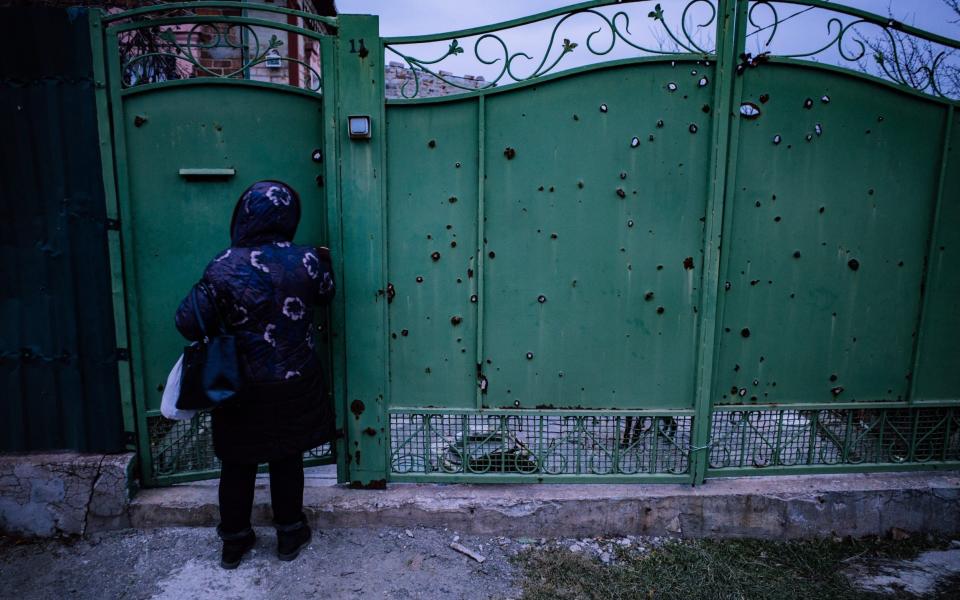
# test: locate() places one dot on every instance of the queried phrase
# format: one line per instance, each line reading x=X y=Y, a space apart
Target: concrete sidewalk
x=761 y=507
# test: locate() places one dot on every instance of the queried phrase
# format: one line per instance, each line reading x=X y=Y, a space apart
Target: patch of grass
x=711 y=569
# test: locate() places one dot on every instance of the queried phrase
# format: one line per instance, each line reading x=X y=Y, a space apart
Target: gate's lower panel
x=525 y=445
x=183 y=450
x=798 y=440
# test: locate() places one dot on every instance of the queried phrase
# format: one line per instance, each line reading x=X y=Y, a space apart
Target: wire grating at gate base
x=184 y=449
x=518 y=445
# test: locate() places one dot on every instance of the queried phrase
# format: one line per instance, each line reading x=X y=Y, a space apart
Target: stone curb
x=757 y=507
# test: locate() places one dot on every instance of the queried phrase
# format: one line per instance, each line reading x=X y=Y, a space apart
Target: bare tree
x=916 y=62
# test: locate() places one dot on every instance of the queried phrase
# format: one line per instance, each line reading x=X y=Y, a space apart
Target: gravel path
x=184 y=563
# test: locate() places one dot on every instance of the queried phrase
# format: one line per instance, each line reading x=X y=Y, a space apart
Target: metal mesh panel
x=786 y=438
x=182 y=448
x=423 y=443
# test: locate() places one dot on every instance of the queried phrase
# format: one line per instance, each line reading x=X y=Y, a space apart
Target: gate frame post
x=359 y=91
x=731 y=23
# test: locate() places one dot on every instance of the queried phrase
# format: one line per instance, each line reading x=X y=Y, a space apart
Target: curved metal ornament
x=202 y=37
x=612 y=29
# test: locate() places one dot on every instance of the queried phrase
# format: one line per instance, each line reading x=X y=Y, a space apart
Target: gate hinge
x=123 y=354
x=113 y=224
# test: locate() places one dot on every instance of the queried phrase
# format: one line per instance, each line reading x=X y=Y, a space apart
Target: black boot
x=291 y=539
x=235 y=545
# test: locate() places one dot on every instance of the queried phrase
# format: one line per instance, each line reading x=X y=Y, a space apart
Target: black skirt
x=273 y=421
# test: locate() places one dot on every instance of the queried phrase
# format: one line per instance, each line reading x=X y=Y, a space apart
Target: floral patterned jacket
x=264 y=287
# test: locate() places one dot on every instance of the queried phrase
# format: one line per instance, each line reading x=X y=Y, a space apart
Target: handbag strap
x=196 y=308
x=213 y=302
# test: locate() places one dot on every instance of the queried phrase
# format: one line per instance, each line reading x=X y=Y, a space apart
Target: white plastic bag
x=168 y=407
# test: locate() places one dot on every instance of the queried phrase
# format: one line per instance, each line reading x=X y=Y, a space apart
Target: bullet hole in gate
x=808 y=137
x=648 y=296
x=540 y=189
x=576 y=117
x=452 y=199
x=660 y=310
x=469 y=273
x=870 y=192
x=491 y=254
x=580 y=184
x=756 y=382
x=833 y=377
x=453 y=244
x=435 y=256
x=404 y=332
x=553 y=236
x=825 y=99
x=357 y=407
x=473 y=299
x=745 y=332
x=854 y=264
x=551 y=188
x=659 y=123
x=419 y=279
x=808 y=103
x=777 y=139
x=836 y=391
x=796 y=254
x=623 y=174
x=764 y=98
x=749 y=110
x=621 y=193
x=603 y=108
x=432 y=143
x=672 y=87
x=776 y=219
x=634 y=142
x=541 y=298
x=457 y=164
x=688 y=263
x=705 y=108
x=455 y=320
x=818 y=129
x=650 y=137
x=726 y=285
x=703 y=82
x=659 y=267
x=630 y=223
x=754 y=281
x=821 y=209
x=529 y=355
x=509 y=152
x=693 y=128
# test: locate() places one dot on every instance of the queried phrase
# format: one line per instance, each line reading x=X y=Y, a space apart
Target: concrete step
x=761 y=507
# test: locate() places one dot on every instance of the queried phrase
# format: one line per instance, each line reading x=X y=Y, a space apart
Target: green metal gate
x=665 y=262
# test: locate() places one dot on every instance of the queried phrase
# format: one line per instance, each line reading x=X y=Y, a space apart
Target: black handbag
x=211 y=374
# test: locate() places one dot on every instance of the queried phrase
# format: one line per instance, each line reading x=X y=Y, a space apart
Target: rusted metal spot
x=357 y=407
x=509 y=152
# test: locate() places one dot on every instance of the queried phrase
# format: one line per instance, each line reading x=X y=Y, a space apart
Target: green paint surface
x=178 y=224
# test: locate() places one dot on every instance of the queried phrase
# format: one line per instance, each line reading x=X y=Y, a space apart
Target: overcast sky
x=411 y=17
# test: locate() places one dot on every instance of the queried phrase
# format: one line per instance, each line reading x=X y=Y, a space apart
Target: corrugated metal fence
x=58 y=360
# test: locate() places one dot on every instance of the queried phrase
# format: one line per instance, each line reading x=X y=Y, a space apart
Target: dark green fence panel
x=938 y=354
x=58 y=360
x=825 y=238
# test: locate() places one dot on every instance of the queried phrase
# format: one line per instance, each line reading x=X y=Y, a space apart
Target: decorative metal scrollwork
x=239 y=41
x=899 y=54
x=600 y=42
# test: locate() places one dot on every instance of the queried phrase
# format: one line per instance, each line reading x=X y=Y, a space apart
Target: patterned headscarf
x=269 y=211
